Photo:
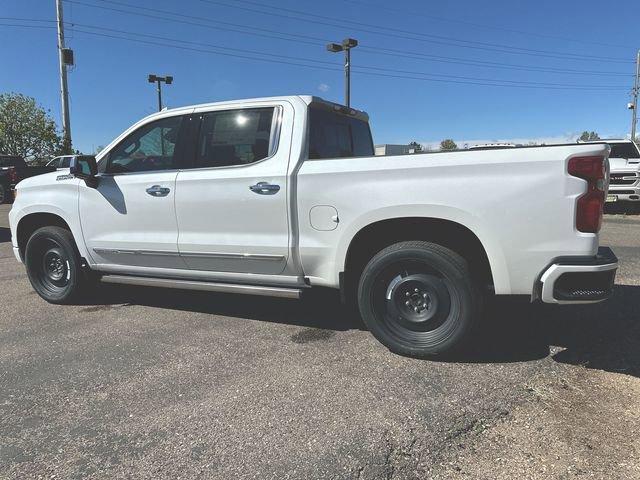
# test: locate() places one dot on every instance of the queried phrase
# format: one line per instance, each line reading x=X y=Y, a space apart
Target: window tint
x=234 y=137
x=332 y=135
x=623 y=150
x=64 y=162
x=151 y=147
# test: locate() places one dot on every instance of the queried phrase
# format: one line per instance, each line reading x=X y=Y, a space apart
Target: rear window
x=623 y=150
x=332 y=135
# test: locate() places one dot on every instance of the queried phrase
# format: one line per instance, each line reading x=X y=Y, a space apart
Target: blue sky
x=454 y=48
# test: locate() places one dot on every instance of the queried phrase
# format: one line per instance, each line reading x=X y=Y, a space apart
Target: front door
x=130 y=218
x=232 y=205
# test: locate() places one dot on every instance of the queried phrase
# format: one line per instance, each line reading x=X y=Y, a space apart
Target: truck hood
x=623 y=164
x=45 y=179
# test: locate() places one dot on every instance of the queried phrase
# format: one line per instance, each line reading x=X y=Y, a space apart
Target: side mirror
x=84 y=167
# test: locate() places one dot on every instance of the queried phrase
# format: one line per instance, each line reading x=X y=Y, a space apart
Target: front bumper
x=579 y=279
x=623 y=195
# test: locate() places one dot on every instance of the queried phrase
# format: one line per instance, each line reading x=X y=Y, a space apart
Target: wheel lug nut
x=407 y=294
x=407 y=303
x=416 y=309
x=416 y=290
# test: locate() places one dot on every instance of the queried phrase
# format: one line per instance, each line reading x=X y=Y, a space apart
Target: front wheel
x=53 y=265
x=419 y=299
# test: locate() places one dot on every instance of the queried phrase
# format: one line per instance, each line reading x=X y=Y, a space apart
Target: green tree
x=416 y=146
x=27 y=129
x=589 y=136
x=448 y=144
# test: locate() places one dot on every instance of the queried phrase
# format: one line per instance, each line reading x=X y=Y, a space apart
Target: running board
x=205 y=286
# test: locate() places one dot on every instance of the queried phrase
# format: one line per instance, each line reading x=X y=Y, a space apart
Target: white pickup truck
x=275 y=196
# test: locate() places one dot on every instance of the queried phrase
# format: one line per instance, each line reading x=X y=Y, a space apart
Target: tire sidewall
x=445 y=338
x=33 y=259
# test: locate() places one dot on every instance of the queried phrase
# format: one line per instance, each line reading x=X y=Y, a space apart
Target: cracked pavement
x=147 y=383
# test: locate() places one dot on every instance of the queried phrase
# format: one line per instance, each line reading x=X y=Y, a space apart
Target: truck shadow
x=624 y=208
x=603 y=336
x=320 y=308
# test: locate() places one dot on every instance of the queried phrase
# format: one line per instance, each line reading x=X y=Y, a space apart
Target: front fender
x=59 y=199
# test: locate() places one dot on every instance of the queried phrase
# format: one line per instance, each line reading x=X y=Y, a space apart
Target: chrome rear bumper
x=579 y=279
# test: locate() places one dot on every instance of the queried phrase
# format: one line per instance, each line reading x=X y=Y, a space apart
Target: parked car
x=13 y=168
x=275 y=196
x=61 y=163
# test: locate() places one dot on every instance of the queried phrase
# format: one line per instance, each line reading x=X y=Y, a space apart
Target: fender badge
x=64 y=177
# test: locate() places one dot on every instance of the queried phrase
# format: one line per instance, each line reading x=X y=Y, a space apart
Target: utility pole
x=65 y=57
x=346 y=46
x=158 y=80
x=634 y=105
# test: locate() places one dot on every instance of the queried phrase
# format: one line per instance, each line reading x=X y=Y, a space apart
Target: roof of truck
x=607 y=140
x=308 y=99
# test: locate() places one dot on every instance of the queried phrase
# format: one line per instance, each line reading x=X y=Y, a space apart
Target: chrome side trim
x=294 y=293
x=234 y=256
x=122 y=251
x=227 y=256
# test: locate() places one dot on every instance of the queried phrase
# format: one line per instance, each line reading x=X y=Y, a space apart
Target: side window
x=234 y=137
x=150 y=147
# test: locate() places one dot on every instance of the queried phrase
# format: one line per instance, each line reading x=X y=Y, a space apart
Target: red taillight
x=589 y=207
x=13 y=176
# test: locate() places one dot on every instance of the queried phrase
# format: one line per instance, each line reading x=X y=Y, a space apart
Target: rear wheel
x=419 y=299
x=54 y=266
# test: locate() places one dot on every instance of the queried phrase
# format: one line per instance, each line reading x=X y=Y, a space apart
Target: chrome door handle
x=158 y=191
x=265 y=188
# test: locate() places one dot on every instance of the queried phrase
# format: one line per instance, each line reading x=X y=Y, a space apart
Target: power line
x=317 y=65
x=303 y=59
x=360 y=68
x=480 y=25
x=428 y=38
x=321 y=41
x=274 y=34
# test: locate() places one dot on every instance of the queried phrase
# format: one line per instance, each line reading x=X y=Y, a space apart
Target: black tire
x=418 y=299
x=54 y=266
x=3 y=194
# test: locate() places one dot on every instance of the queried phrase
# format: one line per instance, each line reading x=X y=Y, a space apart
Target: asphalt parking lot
x=143 y=383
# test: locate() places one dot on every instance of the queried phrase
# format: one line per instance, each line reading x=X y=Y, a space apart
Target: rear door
x=231 y=205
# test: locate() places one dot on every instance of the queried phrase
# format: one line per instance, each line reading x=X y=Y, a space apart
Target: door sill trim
x=281 y=292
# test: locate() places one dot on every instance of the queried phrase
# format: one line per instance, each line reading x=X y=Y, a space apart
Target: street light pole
x=65 y=57
x=346 y=46
x=634 y=105
x=158 y=80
